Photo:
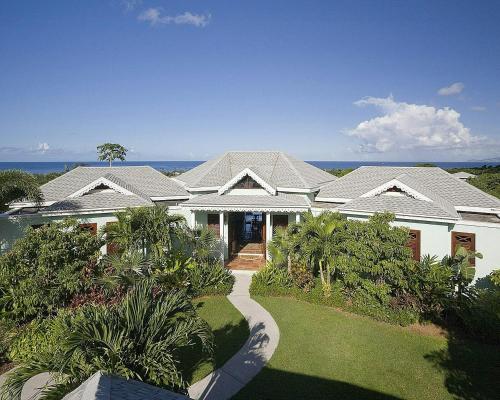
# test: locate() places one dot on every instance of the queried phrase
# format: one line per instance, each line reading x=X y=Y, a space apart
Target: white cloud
x=154 y=17
x=406 y=126
x=478 y=108
x=454 y=88
x=130 y=5
x=43 y=147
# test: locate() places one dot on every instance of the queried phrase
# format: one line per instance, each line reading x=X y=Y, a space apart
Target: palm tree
x=18 y=185
x=202 y=244
x=124 y=270
x=147 y=229
x=320 y=243
x=140 y=338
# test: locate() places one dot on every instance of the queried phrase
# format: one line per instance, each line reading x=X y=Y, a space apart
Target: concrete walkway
x=226 y=381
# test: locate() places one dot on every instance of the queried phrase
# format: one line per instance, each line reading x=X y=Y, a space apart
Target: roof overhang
x=402 y=216
x=246 y=208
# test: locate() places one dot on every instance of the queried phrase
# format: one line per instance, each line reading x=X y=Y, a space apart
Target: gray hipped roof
x=435 y=182
x=141 y=180
x=107 y=387
x=276 y=168
x=140 y=184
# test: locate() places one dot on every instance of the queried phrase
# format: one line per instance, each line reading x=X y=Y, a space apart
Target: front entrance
x=247 y=233
x=246 y=240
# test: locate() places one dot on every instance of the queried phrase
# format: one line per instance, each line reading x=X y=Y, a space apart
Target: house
x=244 y=196
x=463 y=175
x=108 y=387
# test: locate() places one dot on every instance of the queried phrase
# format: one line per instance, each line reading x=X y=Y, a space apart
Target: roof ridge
x=288 y=161
x=60 y=176
x=215 y=162
x=437 y=200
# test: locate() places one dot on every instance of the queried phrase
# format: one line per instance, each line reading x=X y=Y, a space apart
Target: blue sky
x=188 y=79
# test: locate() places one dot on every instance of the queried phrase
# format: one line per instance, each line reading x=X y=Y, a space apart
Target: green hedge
x=359 y=303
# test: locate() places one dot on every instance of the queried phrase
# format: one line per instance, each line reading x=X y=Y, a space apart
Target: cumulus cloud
x=155 y=17
x=406 y=126
x=43 y=147
x=454 y=88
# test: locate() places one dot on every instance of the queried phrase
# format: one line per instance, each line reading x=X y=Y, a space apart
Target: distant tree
x=111 y=151
x=425 y=164
x=18 y=185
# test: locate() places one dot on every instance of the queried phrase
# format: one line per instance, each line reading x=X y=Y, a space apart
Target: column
x=192 y=220
x=297 y=218
x=221 y=236
x=269 y=232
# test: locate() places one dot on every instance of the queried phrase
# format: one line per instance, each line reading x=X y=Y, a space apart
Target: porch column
x=223 y=236
x=269 y=232
x=192 y=220
x=297 y=218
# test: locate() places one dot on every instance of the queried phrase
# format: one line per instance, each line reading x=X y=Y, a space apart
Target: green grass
x=230 y=330
x=324 y=353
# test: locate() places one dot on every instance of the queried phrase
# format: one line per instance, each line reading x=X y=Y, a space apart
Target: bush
x=140 y=338
x=45 y=269
x=7 y=334
x=210 y=278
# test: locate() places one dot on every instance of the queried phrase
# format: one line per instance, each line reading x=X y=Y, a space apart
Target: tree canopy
x=110 y=152
x=18 y=185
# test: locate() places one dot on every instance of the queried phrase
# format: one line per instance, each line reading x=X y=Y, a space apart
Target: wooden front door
x=263 y=235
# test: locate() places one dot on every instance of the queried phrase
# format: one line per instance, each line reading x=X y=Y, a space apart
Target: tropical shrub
x=210 y=278
x=140 y=338
x=146 y=229
x=45 y=269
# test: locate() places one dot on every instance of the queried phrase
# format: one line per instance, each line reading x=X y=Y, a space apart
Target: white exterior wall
x=435 y=240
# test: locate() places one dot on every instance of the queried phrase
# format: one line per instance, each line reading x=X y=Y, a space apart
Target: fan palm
x=140 y=338
x=18 y=185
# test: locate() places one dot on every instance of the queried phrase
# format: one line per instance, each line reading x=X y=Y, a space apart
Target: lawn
x=230 y=330
x=325 y=354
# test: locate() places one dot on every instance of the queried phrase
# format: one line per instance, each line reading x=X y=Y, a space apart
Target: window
x=466 y=240
x=414 y=243
x=213 y=223
x=280 y=221
x=92 y=228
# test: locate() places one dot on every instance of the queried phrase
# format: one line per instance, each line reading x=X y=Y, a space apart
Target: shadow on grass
x=275 y=384
x=472 y=369
x=228 y=340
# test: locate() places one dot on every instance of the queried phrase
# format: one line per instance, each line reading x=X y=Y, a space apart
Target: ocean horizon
x=45 y=167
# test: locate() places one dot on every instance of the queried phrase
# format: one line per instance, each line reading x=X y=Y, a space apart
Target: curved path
x=226 y=381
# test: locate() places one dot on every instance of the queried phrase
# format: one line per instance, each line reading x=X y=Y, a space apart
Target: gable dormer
x=397 y=188
x=247 y=182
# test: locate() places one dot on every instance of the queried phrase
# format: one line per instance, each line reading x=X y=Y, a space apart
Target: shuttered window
x=111 y=248
x=213 y=222
x=280 y=221
x=92 y=228
x=466 y=240
x=414 y=243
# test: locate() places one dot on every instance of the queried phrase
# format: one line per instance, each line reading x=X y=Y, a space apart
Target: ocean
x=60 y=166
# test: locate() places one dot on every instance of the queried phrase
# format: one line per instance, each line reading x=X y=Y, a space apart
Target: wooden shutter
x=213 y=223
x=414 y=243
x=111 y=248
x=92 y=228
x=466 y=240
x=280 y=221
